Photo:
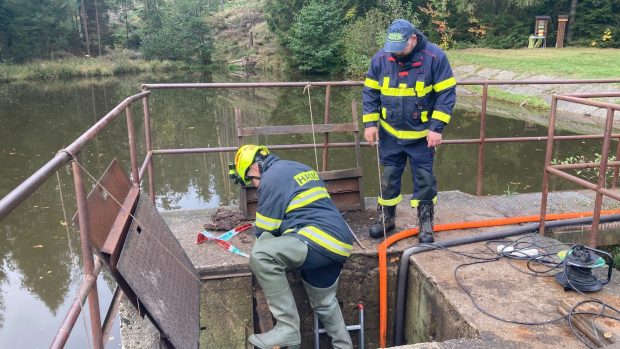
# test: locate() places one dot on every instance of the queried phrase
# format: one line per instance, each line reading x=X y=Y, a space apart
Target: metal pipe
x=149 y=147
x=590 y=102
x=133 y=152
x=612 y=194
x=27 y=187
x=145 y=164
x=548 y=155
x=483 y=131
x=353 y=144
x=74 y=311
x=111 y=315
x=250 y=84
x=360 y=83
x=403 y=269
x=87 y=254
x=602 y=179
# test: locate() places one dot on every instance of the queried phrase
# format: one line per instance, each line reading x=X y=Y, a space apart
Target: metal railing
x=92 y=266
x=600 y=186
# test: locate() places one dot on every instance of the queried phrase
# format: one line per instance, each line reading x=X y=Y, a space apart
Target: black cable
x=548 y=260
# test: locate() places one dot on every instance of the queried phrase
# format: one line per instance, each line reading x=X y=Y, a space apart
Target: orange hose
x=382 y=250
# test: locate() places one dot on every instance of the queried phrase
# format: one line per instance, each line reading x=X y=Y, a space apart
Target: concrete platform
x=437 y=309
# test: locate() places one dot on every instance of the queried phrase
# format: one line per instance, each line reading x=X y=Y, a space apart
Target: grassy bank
x=581 y=63
x=116 y=63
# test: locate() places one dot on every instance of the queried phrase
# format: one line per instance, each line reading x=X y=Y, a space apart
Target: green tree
x=279 y=15
x=365 y=35
x=179 y=33
x=32 y=29
x=315 y=42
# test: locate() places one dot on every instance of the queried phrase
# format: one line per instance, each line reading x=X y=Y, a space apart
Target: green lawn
x=570 y=62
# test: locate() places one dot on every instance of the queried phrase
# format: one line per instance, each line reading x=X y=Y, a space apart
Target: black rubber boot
x=376 y=230
x=425 y=216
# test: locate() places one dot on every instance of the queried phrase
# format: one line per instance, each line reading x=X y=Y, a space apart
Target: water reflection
x=37 y=267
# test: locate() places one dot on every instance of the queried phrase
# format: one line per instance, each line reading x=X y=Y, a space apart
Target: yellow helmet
x=244 y=158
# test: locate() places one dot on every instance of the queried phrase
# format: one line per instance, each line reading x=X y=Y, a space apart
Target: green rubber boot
x=286 y=331
x=324 y=303
x=270 y=259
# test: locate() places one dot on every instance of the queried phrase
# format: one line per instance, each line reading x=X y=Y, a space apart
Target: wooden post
x=251 y=39
x=562 y=20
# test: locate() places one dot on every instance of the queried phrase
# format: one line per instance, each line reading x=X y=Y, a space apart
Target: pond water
x=39 y=258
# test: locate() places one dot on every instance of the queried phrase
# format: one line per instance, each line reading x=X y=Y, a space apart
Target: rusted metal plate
x=102 y=207
x=157 y=269
x=111 y=249
x=288 y=129
x=344 y=187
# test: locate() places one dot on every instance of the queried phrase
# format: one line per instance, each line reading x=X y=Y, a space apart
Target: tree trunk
x=571 y=20
x=98 y=30
x=126 y=27
x=84 y=22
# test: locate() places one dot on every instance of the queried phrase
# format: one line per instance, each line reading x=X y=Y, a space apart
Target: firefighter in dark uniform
x=408 y=97
x=299 y=229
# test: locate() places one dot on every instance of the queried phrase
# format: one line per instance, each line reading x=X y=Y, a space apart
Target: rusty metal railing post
x=149 y=147
x=239 y=125
x=614 y=181
x=131 y=133
x=602 y=178
x=87 y=255
x=356 y=134
x=483 y=131
x=548 y=155
x=328 y=93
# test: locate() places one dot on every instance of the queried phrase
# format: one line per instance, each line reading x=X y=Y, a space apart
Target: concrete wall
x=226 y=312
x=429 y=316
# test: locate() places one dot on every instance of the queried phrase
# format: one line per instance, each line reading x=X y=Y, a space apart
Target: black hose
x=403 y=268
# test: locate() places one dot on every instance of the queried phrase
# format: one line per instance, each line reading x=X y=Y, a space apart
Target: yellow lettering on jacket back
x=305 y=177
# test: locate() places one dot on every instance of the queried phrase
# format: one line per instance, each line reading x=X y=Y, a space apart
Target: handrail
x=146 y=87
x=88 y=286
x=9 y=202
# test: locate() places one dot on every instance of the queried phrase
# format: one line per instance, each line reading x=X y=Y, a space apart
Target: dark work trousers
x=319 y=270
x=393 y=155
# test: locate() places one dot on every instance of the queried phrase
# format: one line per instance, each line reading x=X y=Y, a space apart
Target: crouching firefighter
x=298 y=229
x=408 y=97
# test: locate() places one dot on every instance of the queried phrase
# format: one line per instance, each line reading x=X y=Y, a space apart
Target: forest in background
x=311 y=36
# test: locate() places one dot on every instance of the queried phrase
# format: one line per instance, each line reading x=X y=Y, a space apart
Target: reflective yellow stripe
x=326 y=241
x=267 y=223
x=384 y=113
x=422 y=90
x=424 y=116
x=440 y=86
x=441 y=116
x=402 y=85
x=386 y=82
x=416 y=203
x=306 y=197
x=398 y=92
x=372 y=84
x=403 y=134
x=390 y=202
x=288 y=231
x=370 y=117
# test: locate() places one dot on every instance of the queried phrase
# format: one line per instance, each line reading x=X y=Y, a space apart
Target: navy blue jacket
x=407 y=97
x=292 y=199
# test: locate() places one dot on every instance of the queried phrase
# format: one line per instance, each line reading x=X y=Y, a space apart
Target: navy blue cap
x=397 y=35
